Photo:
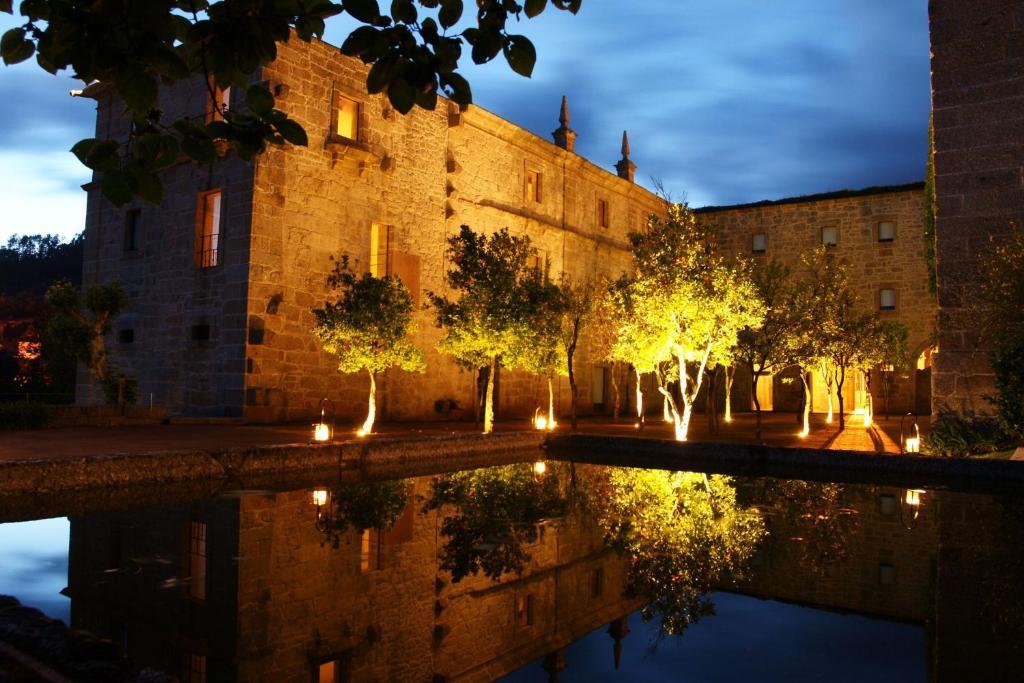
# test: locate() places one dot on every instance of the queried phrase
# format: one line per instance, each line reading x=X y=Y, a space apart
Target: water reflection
x=34 y=564
x=473 y=575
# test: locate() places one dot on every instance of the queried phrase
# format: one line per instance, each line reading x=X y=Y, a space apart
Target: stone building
x=222 y=277
x=879 y=233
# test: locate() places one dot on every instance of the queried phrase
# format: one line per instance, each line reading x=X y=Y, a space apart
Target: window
x=524 y=610
x=602 y=213
x=126 y=336
x=197 y=560
x=759 y=243
x=208 y=229
x=218 y=100
x=131 y=230
x=887 y=299
x=369 y=551
x=380 y=250
x=830 y=236
x=195 y=668
x=597 y=381
x=334 y=670
x=327 y=673
x=597 y=583
x=200 y=332
x=886 y=231
x=533 y=181
x=346 y=117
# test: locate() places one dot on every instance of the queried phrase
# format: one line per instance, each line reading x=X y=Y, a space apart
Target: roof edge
x=822 y=196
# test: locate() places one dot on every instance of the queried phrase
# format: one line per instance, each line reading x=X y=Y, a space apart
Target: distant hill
x=29 y=264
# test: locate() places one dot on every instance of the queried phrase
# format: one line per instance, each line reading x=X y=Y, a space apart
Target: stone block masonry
x=978 y=104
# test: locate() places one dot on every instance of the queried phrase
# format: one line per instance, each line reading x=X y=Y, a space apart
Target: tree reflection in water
x=490 y=515
x=681 y=534
x=359 y=506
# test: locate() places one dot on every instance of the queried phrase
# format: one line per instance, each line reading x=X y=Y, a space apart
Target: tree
x=538 y=344
x=892 y=354
x=766 y=348
x=79 y=324
x=135 y=47
x=31 y=263
x=695 y=300
x=492 y=321
x=364 y=505
x=369 y=327
x=579 y=301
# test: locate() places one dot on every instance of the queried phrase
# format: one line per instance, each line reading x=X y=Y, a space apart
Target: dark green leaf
x=403 y=10
x=451 y=12
x=427 y=100
x=458 y=88
x=137 y=89
x=520 y=54
x=401 y=94
x=487 y=45
x=5 y=6
x=366 y=11
x=359 y=41
x=15 y=47
x=147 y=185
x=380 y=75
x=292 y=132
x=116 y=188
x=99 y=155
x=199 y=148
x=535 y=7
x=259 y=100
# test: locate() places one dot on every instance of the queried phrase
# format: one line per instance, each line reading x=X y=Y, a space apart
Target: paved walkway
x=778 y=429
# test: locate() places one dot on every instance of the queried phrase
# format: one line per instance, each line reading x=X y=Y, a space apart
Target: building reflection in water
x=472 y=575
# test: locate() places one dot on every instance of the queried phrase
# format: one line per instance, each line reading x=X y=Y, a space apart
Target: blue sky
x=725 y=101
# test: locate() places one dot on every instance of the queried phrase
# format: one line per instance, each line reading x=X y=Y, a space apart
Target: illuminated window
x=195 y=668
x=380 y=250
x=524 y=610
x=218 y=100
x=597 y=583
x=886 y=231
x=533 y=181
x=369 y=551
x=327 y=672
x=131 y=229
x=602 y=213
x=830 y=236
x=334 y=670
x=208 y=217
x=759 y=243
x=197 y=560
x=887 y=299
x=346 y=117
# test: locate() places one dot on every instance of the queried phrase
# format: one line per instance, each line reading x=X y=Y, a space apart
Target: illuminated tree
x=490 y=515
x=579 y=301
x=369 y=327
x=539 y=345
x=694 y=300
x=493 y=320
x=135 y=47
x=893 y=355
x=78 y=325
x=766 y=348
x=683 y=534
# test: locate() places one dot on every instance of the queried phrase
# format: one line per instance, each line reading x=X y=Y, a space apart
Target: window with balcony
x=346 y=117
x=197 y=560
x=218 y=100
x=208 y=227
x=524 y=610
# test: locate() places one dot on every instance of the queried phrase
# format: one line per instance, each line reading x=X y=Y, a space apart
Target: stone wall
x=425 y=175
x=794 y=226
x=978 y=104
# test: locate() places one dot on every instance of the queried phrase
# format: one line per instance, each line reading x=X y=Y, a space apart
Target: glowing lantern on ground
x=319 y=497
x=540 y=467
x=910 y=508
x=910 y=440
x=324 y=430
x=541 y=421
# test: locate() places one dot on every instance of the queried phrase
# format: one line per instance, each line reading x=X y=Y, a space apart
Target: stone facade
x=978 y=107
x=236 y=339
x=791 y=227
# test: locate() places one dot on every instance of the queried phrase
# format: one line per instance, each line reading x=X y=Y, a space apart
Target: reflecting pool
x=568 y=572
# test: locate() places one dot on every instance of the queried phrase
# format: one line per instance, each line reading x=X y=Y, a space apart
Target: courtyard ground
x=779 y=429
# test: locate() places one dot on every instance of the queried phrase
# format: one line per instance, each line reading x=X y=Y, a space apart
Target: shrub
x=1008 y=364
x=23 y=415
x=953 y=436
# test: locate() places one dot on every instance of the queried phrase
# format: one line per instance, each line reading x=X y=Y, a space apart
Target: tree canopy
x=414 y=47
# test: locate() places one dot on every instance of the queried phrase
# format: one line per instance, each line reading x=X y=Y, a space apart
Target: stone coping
x=855 y=467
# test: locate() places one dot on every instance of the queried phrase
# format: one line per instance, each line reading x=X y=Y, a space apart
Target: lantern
x=910 y=507
x=324 y=429
x=910 y=438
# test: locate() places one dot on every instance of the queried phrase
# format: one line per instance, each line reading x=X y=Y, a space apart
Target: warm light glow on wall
x=29 y=350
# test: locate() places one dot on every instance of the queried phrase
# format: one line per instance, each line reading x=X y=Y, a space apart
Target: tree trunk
x=639 y=397
x=489 y=398
x=806 y=429
x=574 y=392
x=551 y=403
x=730 y=375
x=371 y=412
x=616 y=398
x=757 y=403
x=710 y=403
x=840 y=379
x=688 y=392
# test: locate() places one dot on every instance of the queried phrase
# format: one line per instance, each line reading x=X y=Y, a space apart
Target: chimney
x=565 y=137
x=625 y=168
